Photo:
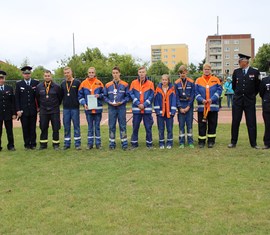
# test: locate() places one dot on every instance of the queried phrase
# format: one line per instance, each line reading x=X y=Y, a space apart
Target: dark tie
x=244 y=72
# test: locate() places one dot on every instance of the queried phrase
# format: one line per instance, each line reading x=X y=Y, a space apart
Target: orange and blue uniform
x=142 y=93
x=92 y=86
x=165 y=108
x=207 y=87
x=185 y=93
x=117 y=92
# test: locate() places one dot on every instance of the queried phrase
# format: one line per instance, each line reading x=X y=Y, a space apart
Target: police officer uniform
x=245 y=84
x=7 y=111
x=49 y=99
x=25 y=97
x=265 y=95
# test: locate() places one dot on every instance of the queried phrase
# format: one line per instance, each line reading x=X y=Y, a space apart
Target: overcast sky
x=42 y=30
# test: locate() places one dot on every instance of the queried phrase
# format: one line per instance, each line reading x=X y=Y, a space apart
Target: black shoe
x=266 y=147
x=89 y=147
x=255 y=147
x=0 y=148
x=231 y=146
x=201 y=145
x=211 y=145
x=125 y=148
x=27 y=148
x=42 y=148
x=56 y=148
x=11 y=149
x=66 y=147
x=33 y=147
x=111 y=148
x=133 y=147
x=98 y=147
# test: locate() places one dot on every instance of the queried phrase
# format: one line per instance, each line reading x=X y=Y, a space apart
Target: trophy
x=114 y=96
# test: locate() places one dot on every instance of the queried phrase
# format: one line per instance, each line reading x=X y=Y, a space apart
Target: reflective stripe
x=217 y=95
x=43 y=141
x=156 y=107
x=169 y=139
x=135 y=99
x=80 y=101
x=161 y=140
x=202 y=137
x=56 y=141
x=182 y=135
x=67 y=138
x=90 y=137
x=112 y=140
x=149 y=142
x=134 y=141
x=214 y=106
x=77 y=138
x=136 y=109
x=197 y=96
x=123 y=140
x=200 y=106
x=173 y=107
x=148 y=109
x=189 y=135
x=211 y=135
x=148 y=101
x=98 y=137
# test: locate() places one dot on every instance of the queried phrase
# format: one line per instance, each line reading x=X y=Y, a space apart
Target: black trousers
x=250 y=114
x=210 y=127
x=45 y=120
x=9 y=131
x=29 y=130
x=266 y=137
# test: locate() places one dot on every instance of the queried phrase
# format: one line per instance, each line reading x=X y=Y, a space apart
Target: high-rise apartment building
x=169 y=54
x=222 y=51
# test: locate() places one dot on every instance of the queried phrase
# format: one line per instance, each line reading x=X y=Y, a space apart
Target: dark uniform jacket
x=7 y=103
x=265 y=94
x=25 y=97
x=245 y=87
x=51 y=104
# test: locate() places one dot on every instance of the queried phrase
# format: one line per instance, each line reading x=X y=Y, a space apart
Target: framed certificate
x=92 y=102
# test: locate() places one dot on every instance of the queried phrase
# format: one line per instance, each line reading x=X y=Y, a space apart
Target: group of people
x=32 y=97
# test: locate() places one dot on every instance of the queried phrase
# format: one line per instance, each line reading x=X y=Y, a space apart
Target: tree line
x=128 y=64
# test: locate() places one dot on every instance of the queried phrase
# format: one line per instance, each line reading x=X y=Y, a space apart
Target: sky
x=41 y=31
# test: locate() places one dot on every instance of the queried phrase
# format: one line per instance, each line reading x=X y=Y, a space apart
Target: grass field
x=190 y=191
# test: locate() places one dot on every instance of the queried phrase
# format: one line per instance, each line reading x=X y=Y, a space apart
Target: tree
x=13 y=73
x=262 y=58
x=200 y=66
x=38 y=72
x=176 y=68
x=158 y=68
x=192 y=68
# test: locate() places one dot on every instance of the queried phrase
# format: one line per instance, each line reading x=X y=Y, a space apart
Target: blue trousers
x=161 y=122
x=74 y=116
x=93 y=121
x=148 y=123
x=185 y=120
x=229 y=100
x=117 y=113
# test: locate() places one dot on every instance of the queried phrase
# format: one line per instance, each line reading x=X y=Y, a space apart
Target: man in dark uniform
x=265 y=94
x=26 y=107
x=49 y=99
x=245 y=84
x=7 y=111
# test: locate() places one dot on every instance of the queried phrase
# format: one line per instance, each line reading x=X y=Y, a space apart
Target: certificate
x=92 y=102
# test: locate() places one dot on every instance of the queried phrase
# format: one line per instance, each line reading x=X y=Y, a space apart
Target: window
x=165 y=56
x=236 y=56
x=226 y=49
x=165 y=62
x=236 y=49
x=235 y=64
x=165 y=50
x=236 y=42
x=173 y=50
x=173 y=62
x=226 y=41
x=227 y=71
x=227 y=56
x=227 y=64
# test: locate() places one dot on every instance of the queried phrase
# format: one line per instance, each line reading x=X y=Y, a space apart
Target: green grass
x=190 y=191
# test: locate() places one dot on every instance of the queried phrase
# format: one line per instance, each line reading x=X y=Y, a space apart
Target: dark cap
x=26 y=69
x=243 y=57
x=2 y=73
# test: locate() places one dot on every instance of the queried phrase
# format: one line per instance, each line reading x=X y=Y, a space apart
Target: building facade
x=221 y=51
x=169 y=54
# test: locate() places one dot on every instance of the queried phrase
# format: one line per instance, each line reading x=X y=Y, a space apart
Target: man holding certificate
x=116 y=94
x=90 y=96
